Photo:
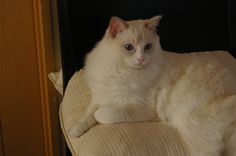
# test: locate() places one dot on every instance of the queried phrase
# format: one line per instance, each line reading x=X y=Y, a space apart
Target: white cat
x=132 y=79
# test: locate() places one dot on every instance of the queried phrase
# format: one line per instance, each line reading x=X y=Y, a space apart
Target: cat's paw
x=106 y=115
x=78 y=129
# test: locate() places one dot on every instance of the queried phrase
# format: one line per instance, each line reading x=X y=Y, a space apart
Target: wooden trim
x=41 y=51
x=2 y=153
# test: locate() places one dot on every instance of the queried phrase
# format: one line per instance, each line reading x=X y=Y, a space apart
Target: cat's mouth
x=138 y=67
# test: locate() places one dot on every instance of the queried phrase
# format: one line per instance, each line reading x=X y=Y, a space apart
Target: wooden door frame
x=43 y=31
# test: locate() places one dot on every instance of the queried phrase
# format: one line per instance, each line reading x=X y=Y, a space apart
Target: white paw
x=78 y=129
x=105 y=115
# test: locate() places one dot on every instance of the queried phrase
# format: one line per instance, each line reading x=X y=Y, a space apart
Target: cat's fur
x=132 y=81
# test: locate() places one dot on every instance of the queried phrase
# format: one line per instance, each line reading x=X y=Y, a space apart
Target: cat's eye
x=148 y=46
x=129 y=47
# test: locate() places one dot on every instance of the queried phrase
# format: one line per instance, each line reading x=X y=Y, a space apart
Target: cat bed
x=124 y=139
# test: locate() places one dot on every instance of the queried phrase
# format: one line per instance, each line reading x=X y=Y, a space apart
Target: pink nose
x=141 y=60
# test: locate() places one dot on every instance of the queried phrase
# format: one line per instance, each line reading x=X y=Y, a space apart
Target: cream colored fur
x=195 y=92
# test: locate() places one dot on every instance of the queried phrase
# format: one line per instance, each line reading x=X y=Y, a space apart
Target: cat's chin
x=137 y=67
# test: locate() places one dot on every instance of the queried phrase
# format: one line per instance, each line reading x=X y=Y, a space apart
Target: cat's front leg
x=85 y=122
x=127 y=113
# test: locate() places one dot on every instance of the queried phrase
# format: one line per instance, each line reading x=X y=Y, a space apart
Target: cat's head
x=137 y=40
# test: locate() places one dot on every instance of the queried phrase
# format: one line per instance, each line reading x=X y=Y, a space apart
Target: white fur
x=117 y=80
x=196 y=93
x=198 y=96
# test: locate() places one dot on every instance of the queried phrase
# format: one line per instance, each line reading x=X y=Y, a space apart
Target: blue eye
x=148 y=46
x=129 y=47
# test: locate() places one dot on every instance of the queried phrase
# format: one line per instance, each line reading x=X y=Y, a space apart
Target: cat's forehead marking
x=136 y=23
x=138 y=30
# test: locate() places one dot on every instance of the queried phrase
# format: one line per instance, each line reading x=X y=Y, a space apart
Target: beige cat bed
x=125 y=139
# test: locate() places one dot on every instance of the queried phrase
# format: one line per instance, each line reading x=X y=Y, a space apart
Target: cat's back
x=202 y=82
x=214 y=70
x=222 y=59
x=201 y=101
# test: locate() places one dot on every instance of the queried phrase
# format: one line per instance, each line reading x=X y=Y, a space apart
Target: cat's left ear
x=153 y=22
x=116 y=26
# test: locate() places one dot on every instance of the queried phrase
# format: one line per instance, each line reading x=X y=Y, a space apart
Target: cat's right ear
x=116 y=26
x=153 y=22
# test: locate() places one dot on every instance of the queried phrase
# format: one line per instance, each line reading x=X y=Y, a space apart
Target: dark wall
x=232 y=26
x=187 y=25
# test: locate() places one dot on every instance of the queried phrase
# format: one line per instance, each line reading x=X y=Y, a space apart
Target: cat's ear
x=153 y=22
x=116 y=25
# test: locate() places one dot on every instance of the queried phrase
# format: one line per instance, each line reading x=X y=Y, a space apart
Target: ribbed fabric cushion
x=125 y=139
